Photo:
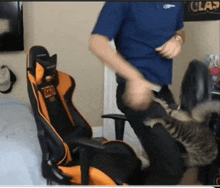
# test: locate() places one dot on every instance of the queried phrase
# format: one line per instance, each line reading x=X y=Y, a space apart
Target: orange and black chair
x=69 y=154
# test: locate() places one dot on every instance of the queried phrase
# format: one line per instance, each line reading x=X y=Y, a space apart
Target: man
x=147 y=36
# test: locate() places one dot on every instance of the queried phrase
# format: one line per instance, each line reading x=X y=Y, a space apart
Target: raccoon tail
x=202 y=111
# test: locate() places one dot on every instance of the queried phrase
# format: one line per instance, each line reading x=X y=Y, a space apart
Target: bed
x=20 y=152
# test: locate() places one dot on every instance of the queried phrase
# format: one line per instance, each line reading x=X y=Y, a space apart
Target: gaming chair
x=69 y=154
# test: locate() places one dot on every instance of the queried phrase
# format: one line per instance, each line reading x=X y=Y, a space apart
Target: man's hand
x=138 y=94
x=172 y=48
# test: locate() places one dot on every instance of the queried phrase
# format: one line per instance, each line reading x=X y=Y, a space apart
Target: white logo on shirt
x=166 y=6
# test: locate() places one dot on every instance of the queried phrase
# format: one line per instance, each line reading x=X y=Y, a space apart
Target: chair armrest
x=94 y=146
x=86 y=148
x=119 y=124
x=86 y=143
x=115 y=116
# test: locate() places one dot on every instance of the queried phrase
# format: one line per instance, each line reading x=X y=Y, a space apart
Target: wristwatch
x=178 y=38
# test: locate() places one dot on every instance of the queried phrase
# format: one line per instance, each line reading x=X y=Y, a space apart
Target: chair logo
x=49 y=91
x=167 y=6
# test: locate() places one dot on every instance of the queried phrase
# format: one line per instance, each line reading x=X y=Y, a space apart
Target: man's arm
x=138 y=93
x=99 y=45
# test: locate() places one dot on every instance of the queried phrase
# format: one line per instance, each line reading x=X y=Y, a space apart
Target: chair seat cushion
x=118 y=162
x=121 y=168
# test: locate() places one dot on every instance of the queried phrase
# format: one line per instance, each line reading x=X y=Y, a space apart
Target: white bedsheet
x=20 y=152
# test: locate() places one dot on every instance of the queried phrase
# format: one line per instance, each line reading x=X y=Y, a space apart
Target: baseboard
x=97 y=131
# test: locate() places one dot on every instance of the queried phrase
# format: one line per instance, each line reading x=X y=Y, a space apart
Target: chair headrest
x=196 y=85
x=45 y=69
x=49 y=64
x=32 y=55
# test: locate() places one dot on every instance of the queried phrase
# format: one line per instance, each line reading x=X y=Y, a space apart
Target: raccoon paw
x=153 y=121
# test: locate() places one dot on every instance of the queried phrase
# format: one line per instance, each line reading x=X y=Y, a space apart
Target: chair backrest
x=196 y=85
x=50 y=92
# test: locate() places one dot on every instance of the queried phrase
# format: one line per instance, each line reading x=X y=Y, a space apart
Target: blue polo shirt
x=137 y=29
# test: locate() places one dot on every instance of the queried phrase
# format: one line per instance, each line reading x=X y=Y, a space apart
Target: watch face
x=179 y=38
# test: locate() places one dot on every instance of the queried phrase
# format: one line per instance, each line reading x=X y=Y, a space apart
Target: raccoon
x=191 y=130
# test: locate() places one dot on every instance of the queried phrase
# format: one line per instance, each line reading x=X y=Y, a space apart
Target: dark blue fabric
x=138 y=28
